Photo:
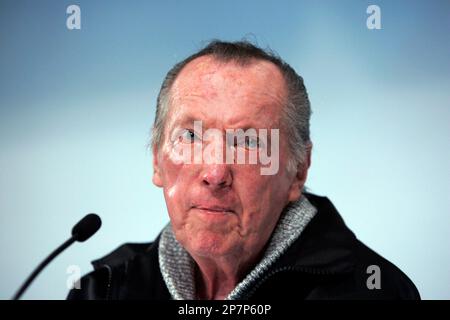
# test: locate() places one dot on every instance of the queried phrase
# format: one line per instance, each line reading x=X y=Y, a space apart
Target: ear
x=157 y=177
x=296 y=188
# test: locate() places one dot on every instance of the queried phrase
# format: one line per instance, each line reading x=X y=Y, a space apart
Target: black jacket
x=325 y=262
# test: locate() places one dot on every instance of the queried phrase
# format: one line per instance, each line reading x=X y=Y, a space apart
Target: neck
x=217 y=278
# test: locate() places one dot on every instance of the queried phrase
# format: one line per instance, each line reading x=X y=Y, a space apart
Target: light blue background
x=76 y=108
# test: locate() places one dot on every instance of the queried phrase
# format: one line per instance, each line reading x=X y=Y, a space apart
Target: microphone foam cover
x=86 y=227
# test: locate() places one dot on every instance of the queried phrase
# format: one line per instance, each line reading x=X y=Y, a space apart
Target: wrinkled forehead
x=208 y=78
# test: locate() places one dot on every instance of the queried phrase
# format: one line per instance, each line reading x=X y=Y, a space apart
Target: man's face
x=221 y=209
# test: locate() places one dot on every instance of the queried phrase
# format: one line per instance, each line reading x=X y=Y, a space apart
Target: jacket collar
x=326 y=245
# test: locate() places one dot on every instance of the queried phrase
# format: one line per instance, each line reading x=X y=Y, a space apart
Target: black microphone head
x=86 y=227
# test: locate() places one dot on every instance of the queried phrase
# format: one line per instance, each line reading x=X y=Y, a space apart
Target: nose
x=217 y=176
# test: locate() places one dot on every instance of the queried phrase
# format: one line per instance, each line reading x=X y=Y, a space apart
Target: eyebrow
x=186 y=120
x=189 y=121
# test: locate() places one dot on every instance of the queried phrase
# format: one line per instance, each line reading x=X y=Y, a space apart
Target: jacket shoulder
x=382 y=275
x=373 y=276
x=96 y=285
x=123 y=253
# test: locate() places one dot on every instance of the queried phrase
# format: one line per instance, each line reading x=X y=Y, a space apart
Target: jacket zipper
x=286 y=269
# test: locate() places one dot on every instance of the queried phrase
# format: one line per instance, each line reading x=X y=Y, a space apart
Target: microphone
x=82 y=231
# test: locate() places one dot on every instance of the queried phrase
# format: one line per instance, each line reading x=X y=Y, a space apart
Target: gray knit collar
x=178 y=267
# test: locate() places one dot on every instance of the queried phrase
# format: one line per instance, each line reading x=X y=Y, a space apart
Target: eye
x=188 y=136
x=248 y=142
x=251 y=142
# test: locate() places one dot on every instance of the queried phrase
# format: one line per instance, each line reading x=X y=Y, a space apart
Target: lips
x=214 y=208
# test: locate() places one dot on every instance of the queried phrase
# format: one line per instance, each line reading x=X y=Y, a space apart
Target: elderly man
x=240 y=229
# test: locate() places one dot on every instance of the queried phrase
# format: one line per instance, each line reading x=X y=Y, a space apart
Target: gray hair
x=296 y=113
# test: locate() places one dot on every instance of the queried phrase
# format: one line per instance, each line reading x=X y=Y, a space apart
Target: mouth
x=214 y=209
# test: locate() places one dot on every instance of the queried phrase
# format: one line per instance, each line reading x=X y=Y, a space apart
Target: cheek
x=176 y=180
x=258 y=190
x=262 y=198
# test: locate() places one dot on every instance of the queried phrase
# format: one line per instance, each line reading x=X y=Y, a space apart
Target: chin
x=210 y=244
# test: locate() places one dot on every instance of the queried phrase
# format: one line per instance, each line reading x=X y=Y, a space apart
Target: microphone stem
x=42 y=266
